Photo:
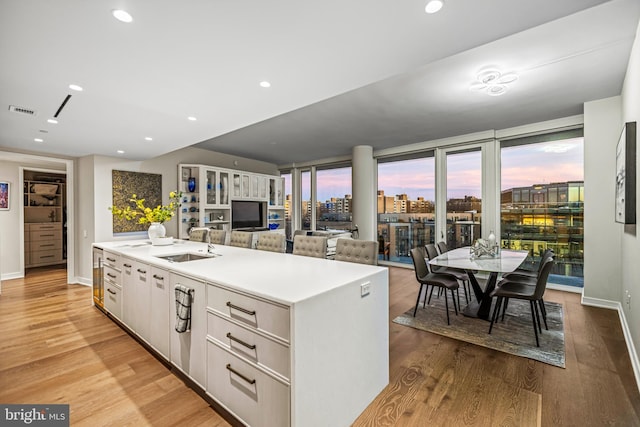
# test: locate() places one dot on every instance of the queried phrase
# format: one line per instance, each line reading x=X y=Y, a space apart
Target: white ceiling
x=343 y=73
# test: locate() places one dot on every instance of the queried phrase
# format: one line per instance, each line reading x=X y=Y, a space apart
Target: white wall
x=95 y=188
x=602 y=267
x=630 y=243
x=9 y=222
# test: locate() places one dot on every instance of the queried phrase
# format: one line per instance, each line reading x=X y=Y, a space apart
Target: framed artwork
x=626 y=175
x=146 y=186
x=4 y=196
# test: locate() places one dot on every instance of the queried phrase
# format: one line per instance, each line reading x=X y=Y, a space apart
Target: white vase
x=156 y=229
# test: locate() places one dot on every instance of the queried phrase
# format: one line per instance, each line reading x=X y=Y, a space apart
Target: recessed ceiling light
x=433 y=6
x=122 y=16
x=148 y=138
x=76 y=88
x=120 y=152
x=38 y=139
x=265 y=84
x=193 y=119
x=52 y=121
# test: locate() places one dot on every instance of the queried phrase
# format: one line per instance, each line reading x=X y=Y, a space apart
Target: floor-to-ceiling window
x=406 y=206
x=333 y=198
x=542 y=201
x=288 y=206
x=305 y=203
x=464 y=197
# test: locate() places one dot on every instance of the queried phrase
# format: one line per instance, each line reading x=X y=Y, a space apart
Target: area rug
x=513 y=336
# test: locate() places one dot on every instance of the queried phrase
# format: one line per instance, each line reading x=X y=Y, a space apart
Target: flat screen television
x=248 y=214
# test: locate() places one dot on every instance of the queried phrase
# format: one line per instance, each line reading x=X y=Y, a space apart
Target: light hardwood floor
x=57 y=348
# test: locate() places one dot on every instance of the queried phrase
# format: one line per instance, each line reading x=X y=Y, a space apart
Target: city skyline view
x=523 y=165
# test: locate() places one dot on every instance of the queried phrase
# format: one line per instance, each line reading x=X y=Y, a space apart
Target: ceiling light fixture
x=148 y=138
x=76 y=88
x=434 y=6
x=493 y=81
x=38 y=139
x=122 y=16
x=265 y=84
x=193 y=119
x=52 y=121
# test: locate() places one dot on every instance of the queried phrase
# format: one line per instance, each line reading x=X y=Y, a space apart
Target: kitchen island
x=275 y=339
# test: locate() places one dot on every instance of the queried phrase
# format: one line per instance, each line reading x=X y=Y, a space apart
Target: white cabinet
x=160 y=317
x=217 y=189
x=112 y=275
x=141 y=274
x=129 y=308
x=188 y=349
x=248 y=356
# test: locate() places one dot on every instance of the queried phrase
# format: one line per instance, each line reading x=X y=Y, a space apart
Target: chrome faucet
x=210 y=247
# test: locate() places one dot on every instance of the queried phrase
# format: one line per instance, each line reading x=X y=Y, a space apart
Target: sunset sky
x=524 y=165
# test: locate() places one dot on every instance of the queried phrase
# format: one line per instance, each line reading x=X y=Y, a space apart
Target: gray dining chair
x=459 y=274
x=198 y=234
x=513 y=289
x=426 y=278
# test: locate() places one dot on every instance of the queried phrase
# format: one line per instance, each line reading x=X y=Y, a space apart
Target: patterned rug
x=513 y=336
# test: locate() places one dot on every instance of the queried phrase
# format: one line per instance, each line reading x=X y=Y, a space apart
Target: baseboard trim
x=614 y=305
x=9 y=276
x=83 y=281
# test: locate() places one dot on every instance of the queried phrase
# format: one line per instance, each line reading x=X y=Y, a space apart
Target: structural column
x=364 y=201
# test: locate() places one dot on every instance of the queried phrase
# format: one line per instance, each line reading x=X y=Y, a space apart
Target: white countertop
x=283 y=278
x=506 y=261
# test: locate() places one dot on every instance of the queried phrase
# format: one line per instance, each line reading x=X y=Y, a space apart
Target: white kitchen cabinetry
x=188 y=349
x=248 y=356
x=129 y=308
x=160 y=320
x=141 y=273
x=268 y=350
x=113 y=284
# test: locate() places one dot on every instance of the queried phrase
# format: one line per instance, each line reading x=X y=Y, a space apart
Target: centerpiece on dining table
x=485 y=248
x=155 y=217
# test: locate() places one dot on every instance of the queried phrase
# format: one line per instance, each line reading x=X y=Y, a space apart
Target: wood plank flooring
x=57 y=348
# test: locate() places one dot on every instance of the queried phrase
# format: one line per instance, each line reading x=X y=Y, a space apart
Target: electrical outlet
x=365 y=289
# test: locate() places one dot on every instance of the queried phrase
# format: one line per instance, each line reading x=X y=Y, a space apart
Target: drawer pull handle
x=46 y=235
x=47 y=245
x=111 y=259
x=46 y=256
x=127 y=265
x=239 y=341
x=110 y=291
x=155 y=276
x=142 y=271
x=240 y=375
x=244 y=310
x=113 y=276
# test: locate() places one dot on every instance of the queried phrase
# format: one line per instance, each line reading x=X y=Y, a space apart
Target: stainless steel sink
x=189 y=256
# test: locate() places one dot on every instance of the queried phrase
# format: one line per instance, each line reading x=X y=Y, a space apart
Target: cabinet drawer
x=46 y=245
x=45 y=257
x=38 y=235
x=112 y=260
x=113 y=299
x=111 y=275
x=264 y=316
x=253 y=396
x=46 y=227
x=248 y=344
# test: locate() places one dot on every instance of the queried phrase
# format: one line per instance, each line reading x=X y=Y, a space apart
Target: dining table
x=504 y=261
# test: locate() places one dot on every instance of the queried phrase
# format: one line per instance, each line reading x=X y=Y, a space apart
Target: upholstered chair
x=311 y=246
x=198 y=234
x=217 y=237
x=359 y=251
x=273 y=242
x=241 y=239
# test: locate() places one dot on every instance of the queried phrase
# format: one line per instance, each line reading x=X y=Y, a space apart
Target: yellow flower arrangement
x=146 y=215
